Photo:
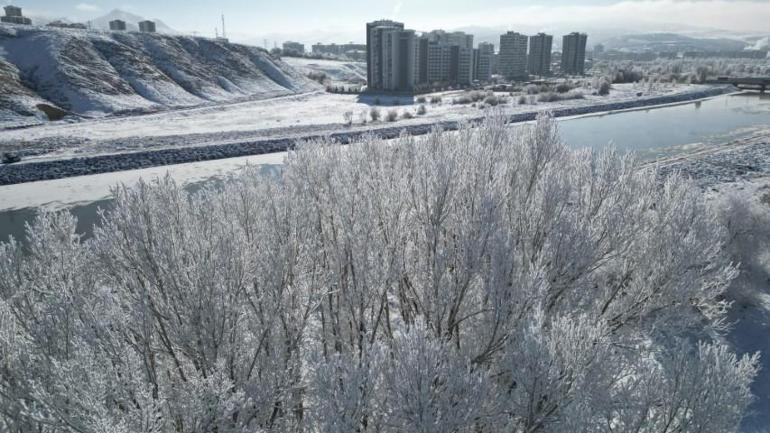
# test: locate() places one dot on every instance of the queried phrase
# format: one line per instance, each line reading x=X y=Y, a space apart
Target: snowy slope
x=17 y=103
x=345 y=72
x=100 y=73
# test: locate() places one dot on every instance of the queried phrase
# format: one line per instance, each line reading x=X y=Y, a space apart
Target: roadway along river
x=653 y=132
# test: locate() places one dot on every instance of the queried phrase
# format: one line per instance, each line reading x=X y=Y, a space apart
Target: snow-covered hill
x=100 y=73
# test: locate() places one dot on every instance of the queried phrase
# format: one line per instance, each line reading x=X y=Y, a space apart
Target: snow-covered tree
x=485 y=280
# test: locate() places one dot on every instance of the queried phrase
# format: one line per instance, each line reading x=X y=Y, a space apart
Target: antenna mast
x=224 y=34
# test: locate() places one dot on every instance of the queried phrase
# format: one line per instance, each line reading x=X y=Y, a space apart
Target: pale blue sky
x=345 y=19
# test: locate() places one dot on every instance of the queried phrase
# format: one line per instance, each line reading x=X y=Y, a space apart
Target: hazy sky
x=346 y=18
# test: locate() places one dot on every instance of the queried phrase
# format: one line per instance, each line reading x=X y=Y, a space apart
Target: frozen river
x=652 y=132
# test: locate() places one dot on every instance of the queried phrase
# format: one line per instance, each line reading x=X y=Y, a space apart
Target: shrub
x=522 y=100
x=421 y=110
x=407 y=114
x=374 y=113
x=548 y=97
x=421 y=100
x=391 y=116
x=604 y=88
x=491 y=100
x=348 y=117
x=471 y=97
x=564 y=87
x=436 y=100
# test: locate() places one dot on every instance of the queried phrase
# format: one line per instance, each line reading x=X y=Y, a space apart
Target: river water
x=652 y=133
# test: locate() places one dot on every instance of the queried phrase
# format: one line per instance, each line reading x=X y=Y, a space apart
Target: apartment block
x=147 y=26
x=13 y=15
x=573 y=57
x=399 y=59
x=296 y=48
x=118 y=25
x=513 y=56
x=374 y=42
x=540 y=46
x=483 y=59
x=439 y=57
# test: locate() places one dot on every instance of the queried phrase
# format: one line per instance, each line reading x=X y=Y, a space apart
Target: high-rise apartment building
x=450 y=57
x=460 y=65
x=573 y=56
x=513 y=56
x=483 y=56
x=460 y=39
x=540 y=54
x=439 y=56
x=400 y=60
x=374 y=65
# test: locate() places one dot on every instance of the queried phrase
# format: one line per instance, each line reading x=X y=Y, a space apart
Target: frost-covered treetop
x=487 y=280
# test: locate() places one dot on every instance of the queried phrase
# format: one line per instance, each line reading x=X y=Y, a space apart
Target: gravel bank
x=737 y=161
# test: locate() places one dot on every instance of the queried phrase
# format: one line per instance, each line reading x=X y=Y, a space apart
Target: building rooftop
x=12 y=11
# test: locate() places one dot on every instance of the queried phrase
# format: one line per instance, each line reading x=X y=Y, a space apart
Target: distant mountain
x=672 y=42
x=132 y=22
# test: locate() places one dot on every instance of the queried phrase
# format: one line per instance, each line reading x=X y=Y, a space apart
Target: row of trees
x=679 y=70
x=481 y=281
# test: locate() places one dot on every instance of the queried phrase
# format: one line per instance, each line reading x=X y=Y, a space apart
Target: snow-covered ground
x=289 y=116
x=337 y=70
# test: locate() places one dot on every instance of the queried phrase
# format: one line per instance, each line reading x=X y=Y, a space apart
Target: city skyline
x=399 y=59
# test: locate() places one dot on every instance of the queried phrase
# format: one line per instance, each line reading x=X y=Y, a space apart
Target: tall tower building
x=400 y=60
x=540 y=54
x=573 y=56
x=374 y=49
x=400 y=70
x=513 y=56
x=449 y=57
x=482 y=61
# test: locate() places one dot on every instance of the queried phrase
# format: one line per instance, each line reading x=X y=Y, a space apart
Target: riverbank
x=743 y=160
x=105 y=163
